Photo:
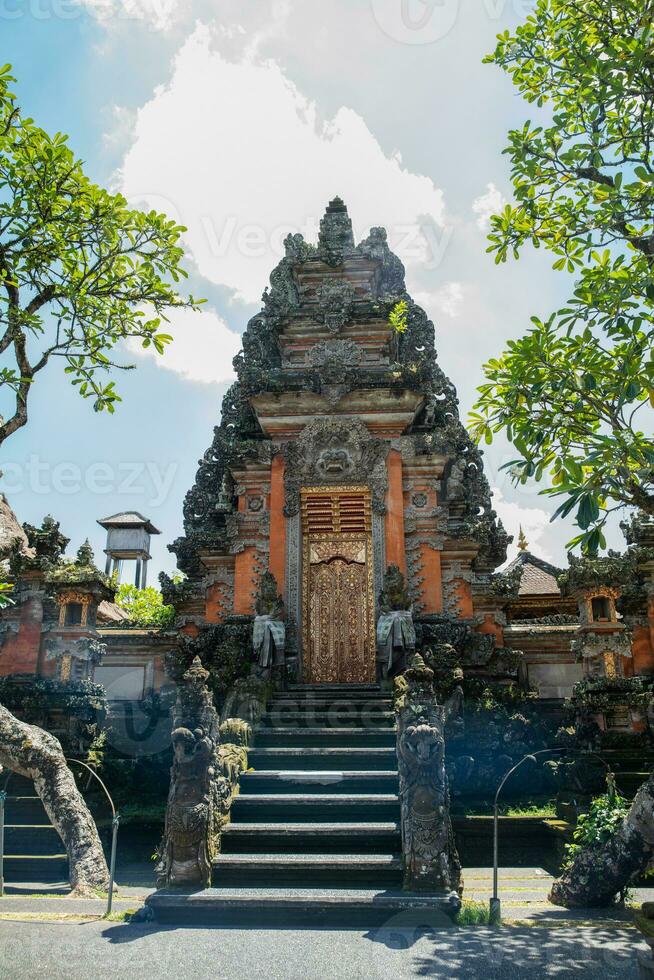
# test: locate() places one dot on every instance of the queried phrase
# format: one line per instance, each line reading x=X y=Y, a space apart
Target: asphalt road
x=113 y=951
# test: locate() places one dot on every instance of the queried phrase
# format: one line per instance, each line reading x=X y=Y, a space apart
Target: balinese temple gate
x=340 y=453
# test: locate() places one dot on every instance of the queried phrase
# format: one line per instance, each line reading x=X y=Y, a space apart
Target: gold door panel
x=338 y=610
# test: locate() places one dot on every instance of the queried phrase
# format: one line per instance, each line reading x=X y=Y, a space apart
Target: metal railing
x=495 y=904
x=115 y=820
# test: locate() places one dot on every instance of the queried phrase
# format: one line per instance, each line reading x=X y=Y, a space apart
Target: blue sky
x=243 y=120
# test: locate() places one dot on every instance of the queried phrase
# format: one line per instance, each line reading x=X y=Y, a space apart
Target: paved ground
x=33 y=951
x=59 y=937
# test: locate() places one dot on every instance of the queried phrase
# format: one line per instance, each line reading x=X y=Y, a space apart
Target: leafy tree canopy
x=79 y=270
x=145 y=607
x=574 y=395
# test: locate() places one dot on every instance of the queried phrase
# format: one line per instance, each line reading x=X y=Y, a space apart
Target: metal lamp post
x=495 y=904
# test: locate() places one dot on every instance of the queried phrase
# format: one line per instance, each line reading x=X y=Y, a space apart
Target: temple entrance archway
x=338 y=619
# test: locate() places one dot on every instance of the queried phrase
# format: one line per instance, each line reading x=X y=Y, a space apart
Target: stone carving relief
x=331 y=451
x=335 y=300
x=269 y=633
x=192 y=828
x=452 y=576
x=335 y=354
x=431 y=862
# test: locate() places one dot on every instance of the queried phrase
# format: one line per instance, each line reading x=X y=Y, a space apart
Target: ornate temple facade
x=340 y=453
x=339 y=456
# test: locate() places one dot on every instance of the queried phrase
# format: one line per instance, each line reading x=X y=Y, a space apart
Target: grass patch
x=533 y=808
x=530 y=810
x=124 y=916
x=473 y=914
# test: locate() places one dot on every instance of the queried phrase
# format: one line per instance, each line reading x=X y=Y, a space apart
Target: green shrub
x=145 y=607
x=595 y=828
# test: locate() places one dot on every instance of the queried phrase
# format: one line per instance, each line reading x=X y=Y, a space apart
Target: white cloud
x=202 y=347
x=534 y=522
x=122 y=130
x=448 y=299
x=492 y=202
x=237 y=153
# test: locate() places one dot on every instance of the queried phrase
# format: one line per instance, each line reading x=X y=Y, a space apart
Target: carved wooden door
x=338 y=627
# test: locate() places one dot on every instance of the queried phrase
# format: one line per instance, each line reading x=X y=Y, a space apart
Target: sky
x=242 y=120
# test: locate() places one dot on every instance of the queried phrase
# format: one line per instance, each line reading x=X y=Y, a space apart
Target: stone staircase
x=33 y=848
x=315 y=831
x=321 y=805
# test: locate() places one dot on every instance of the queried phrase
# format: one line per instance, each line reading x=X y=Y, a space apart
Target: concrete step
x=336 y=717
x=301 y=757
x=308 y=783
x=287 y=703
x=303 y=838
x=25 y=810
x=31 y=839
x=319 y=737
x=327 y=690
x=316 y=808
x=30 y=867
x=292 y=907
x=16 y=785
x=308 y=870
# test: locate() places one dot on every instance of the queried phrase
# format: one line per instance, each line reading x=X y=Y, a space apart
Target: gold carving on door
x=338 y=603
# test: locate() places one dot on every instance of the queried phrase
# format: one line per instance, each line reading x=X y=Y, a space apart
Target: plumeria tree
x=574 y=394
x=80 y=271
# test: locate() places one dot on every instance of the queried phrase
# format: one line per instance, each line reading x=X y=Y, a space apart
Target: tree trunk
x=37 y=755
x=598 y=874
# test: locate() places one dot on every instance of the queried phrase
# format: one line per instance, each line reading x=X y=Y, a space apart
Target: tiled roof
x=109 y=612
x=538 y=576
x=129 y=518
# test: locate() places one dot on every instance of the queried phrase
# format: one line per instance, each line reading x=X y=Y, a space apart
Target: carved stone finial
x=196 y=673
x=85 y=554
x=523 y=544
x=418 y=671
x=335 y=238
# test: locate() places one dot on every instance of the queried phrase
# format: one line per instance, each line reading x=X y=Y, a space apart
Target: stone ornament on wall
x=83 y=655
x=336 y=354
x=331 y=451
x=335 y=300
x=601 y=653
